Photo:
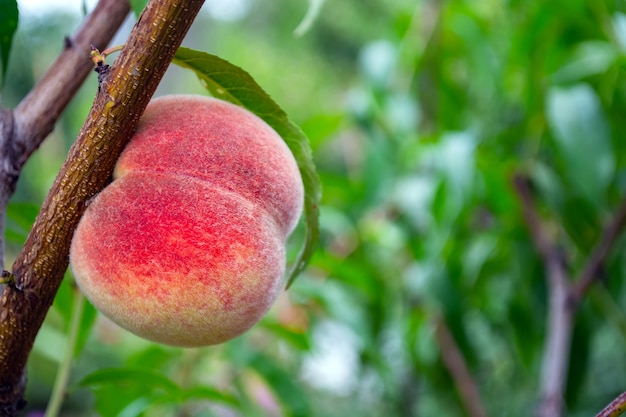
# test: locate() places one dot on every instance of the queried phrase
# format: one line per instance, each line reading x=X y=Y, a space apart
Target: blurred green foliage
x=419 y=113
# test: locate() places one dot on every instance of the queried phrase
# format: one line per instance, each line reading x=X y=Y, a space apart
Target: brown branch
x=560 y=309
x=558 y=344
x=564 y=295
x=590 y=272
x=615 y=408
x=455 y=363
x=25 y=128
x=121 y=99
x=538 y=230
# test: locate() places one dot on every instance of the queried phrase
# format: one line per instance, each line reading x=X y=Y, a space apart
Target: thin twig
x=558 y=343
x=590 y=272
x=560 y=309
x=455 y=363
x=538 y=230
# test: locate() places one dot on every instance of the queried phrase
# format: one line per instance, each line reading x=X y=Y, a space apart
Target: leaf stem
x=6 y=277
x=60 y=384
x=98 y=58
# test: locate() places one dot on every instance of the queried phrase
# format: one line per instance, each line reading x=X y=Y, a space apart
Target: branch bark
x=121 y=99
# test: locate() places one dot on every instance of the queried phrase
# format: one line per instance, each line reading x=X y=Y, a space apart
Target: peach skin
x=186 y=246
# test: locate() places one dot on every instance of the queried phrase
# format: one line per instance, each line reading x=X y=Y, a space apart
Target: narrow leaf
x=126 y=376
x=298 y=340
x=8 y=26
x=231 y=83
x=211 y=394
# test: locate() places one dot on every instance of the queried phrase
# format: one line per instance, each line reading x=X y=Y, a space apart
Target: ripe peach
x=187 y=245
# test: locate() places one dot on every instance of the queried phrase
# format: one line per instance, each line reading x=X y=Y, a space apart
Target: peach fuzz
x=186 y=246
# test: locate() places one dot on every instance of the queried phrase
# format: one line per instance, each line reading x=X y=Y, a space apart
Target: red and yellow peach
x=187 y=245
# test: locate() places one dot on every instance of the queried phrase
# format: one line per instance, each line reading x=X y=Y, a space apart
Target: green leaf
x=63 y=301
x=138 y=406
x=8 y=25
x=22 y=214
x=581 y=133
x=154 y=387
x=589 y=58
x=284 y=385
x=581 y=222
x=137 y=6
x=619 y=26
x=64 y=304
x=87 y=321
x=155 y=356
x=15 y=236
x=231 y=83
x=211 y=394
x=110 y=400
x=525 y=341
x=298 y=340
x=320 y=127
x=125 y=376
x=20 y=218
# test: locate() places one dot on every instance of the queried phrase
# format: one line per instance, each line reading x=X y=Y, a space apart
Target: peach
x=186 y=246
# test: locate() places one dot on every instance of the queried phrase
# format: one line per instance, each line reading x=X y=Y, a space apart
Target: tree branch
x=24 y=129
x=564 y=295
x=560 y=309
x=558 y=345
x=538 y=230
x=121 y=99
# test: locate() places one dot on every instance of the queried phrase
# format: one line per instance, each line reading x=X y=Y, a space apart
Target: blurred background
x=419 y=115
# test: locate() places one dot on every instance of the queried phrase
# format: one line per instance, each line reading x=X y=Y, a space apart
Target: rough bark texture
x=122 y=97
